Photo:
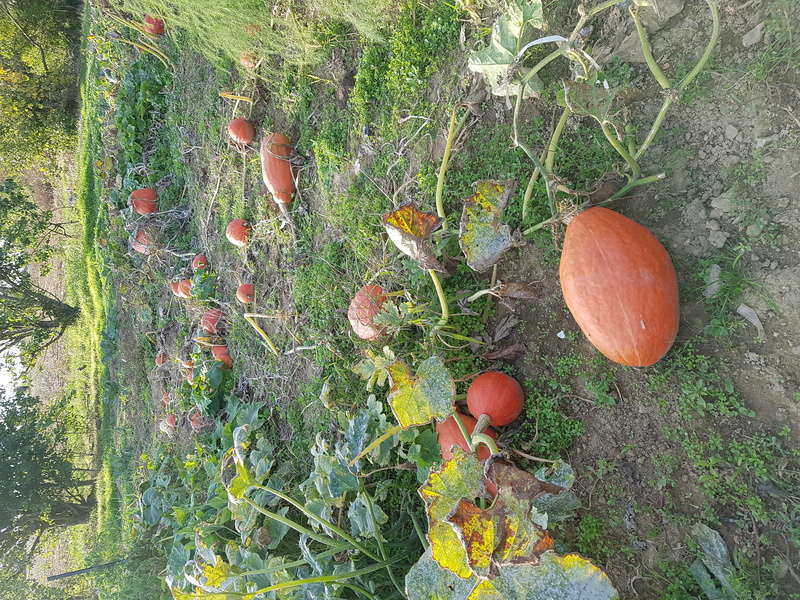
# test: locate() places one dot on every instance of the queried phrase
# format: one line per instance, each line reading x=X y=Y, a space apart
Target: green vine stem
x=293 y=564
x=622 y=192
x=378 y=539
x=612 y=139
x=291 y=524
x=314 y=517
x=375 y=443
x=453 y=130
x=647 y=49
x=437 y=283
x=285 y=585
x=548 y=158
x=686 y=81
x=475 y=439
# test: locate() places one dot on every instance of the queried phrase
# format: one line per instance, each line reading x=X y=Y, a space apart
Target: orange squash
x=620 y=286
x=241 y=131
x=144 y=201
x=276 y=151
x=497 y=395
x=366 y=304
x=238 y=232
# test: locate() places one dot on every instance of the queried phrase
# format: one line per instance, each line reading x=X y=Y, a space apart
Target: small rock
x=713 y=282
x=630 y=50
x=654 y=19
x=763 y=141
x=724 y=203
x=752 y=37
x=731 y=132
x=773 y=265
x=718 y=238
x=754 y=230
x=712 y=225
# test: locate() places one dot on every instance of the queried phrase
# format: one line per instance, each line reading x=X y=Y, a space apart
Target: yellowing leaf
x=448 y=551
x=410 y=229
x=483 y=237
x=477 y=529
x=427 y=581
x=421 y=398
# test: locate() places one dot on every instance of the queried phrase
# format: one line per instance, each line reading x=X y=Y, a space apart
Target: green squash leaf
x=498 y=62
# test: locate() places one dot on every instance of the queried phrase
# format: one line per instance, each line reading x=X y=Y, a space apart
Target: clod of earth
x=238 y=232
x=144 y=201
x=364 y=307
x=153 y=25
x=245 y=293
x=620 y=285
x=241 y=131
x=199 y=262
x=496 y=395
x=211 y=321
x=249 y=61
x=276 y=168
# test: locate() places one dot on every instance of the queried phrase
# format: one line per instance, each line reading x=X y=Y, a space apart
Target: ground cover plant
x=359 y=308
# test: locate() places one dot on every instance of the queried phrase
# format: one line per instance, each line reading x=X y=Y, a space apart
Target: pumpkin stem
x=647 y=50
x=437 y=283
x=483 y=422
x=452 y=133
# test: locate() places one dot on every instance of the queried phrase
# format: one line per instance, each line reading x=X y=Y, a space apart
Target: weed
x=546 y=431
x=591 y=538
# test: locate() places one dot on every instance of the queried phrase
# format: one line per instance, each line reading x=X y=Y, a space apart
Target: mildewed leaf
x=584 y=99
x=483 y=237
x=410 y=229
x=498 y=62
x=427 y=581
x=421 y=398
x=569 y=577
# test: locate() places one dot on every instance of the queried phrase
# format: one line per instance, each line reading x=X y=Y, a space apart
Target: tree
x=31 y=318
x=39 y=489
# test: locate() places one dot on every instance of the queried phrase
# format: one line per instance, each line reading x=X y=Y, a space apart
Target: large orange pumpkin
x=276 y=168
x=144 y=201
x=619 y=284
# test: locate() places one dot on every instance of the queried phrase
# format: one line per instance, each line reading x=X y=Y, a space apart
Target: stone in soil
x=752 y=37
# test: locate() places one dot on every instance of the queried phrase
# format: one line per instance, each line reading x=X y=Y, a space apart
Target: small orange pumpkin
x=221 y=354
x=497 y=395
x=245 y=293
x=199 y=262
x=241 y=131
x=143 y=242
x=238 y=232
